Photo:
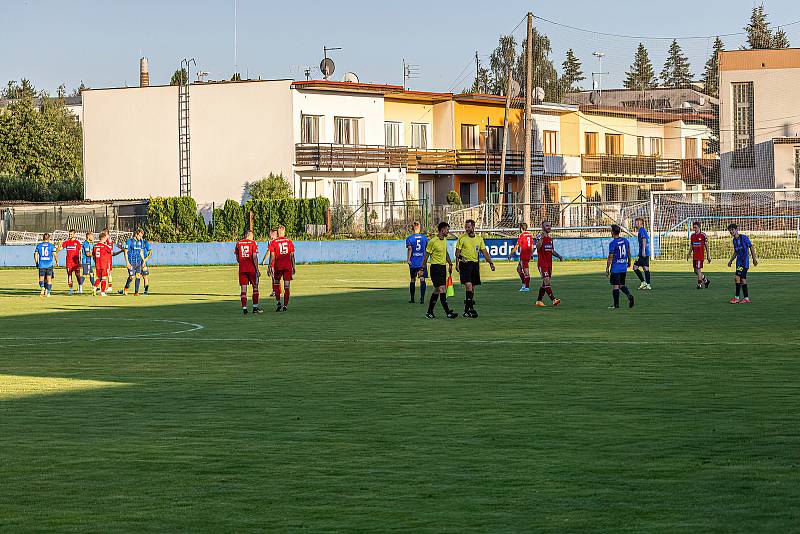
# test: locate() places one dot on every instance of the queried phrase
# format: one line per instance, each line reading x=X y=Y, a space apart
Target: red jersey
x=544 y=250
x=102 y=256
x=525 y=243
x=247 y=255
x=73 y=248
x=282 y=250
x=698 y=246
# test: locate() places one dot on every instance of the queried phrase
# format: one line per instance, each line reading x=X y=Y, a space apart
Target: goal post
x=771 y=217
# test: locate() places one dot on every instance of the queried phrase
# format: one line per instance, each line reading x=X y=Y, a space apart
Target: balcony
x=630 y=166
x=331 y=157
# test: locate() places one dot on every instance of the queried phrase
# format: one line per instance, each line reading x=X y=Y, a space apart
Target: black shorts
x=414 y=272
x=46 y=272
x=741 y=272
x=470 y=272
x=438 y=275
x=617 y=279
x=642 y=261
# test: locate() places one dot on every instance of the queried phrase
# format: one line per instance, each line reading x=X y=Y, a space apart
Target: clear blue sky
x=99 y=41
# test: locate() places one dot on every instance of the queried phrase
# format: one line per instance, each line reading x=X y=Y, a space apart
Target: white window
x=656 y=147
x=310 y=129
x=347 y=130
x=419 y=135
x=341 y=193
x=388 y=191
x=308 y=188
x=640 y=146
x=365 y=193
x=392 y=130
x=470 y=138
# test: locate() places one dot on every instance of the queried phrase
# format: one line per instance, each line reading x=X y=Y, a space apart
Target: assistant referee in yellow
x=436 y=252
x=468 y=247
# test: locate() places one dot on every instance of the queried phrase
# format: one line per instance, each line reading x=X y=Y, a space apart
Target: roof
x=24 y=203
x=787 y=58
x=786 y=140
x=350 y=87
x=682 y=100
x=68 y=101
x=419 y=96
x=646 y=114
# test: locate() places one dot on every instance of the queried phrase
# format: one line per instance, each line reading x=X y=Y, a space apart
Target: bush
x=175 y=219
x=229 y=222
x=272 y=187
x=39 y=190
x=293 y=213
x=454 y=199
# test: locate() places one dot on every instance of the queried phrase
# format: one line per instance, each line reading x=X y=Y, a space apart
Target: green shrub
x=454 y=199
x=228 y=222
x=39 y=190
x=175 y=219
x=272 y=187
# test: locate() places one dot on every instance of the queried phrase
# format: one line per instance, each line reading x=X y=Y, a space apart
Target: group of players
x=280 y=262
x=429 y=257
x=94 y=260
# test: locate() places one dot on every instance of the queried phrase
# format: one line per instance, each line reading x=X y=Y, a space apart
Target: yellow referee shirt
x=469 y=246
x=437 y=251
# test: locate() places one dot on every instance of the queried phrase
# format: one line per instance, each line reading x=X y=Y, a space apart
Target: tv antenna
x=327 y=66
x=410 y=72
x=202 y=75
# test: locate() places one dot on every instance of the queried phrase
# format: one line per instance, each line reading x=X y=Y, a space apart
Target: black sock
x=128 y=283
x=744 y=291
x=647 y=277
x=412 y=288
x=616 y=297
x=625 y=290
x=443 y=299
x=541 y=293
x=639 y=274
x=469 y=301
x=146 y=288
x=738 y=289
x=432 y=302
x=422 y=287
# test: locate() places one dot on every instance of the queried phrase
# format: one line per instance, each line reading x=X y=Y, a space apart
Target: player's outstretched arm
x=488 y=257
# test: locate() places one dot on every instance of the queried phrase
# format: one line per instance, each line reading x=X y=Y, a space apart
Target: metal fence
x=378 y=218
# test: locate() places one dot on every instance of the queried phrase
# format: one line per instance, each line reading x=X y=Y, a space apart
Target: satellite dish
x=594 y=98
x=327 y=67
x=350 y=77
x=538 y=94
x=516 y=88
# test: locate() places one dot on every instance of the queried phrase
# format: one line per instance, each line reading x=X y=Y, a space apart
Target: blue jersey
x=134 y=250
x=741 y=246
x=644 y=243
x=418 y=243
x=620 y=250
x=47 y=253
x=146 y=247
x=87 y=258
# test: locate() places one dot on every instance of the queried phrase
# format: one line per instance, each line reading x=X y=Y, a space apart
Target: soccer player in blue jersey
x=642 y=262
x=44 y=256
x=134 y=259
x=415 y=246
x=619 y=259
x=147 y=252
x=742 y=251
x=87 y=258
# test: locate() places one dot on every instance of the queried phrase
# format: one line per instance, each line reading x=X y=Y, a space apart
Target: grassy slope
x=339 y=415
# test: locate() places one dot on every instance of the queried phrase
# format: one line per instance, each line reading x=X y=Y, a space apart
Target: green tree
x=677 y=71
x=273 y=186
x=236 y=77
x=179 y=77
x=711 y=71
x=545 y=74
x=759 y=34
x=501 y=59
x=78 y=90
x=572 y=73
x=23 y=89
x=641 y=75
x=481 y=83
x=780 y=40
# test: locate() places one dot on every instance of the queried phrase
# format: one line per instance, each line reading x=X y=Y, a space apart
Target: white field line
x=192 y=327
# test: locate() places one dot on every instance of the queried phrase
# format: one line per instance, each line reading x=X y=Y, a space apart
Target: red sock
x=243 y=296
x=276 y=288
x=286 y=297
x=527 y=281
x=521 y=276
x=103 y=286
x=541 y=294
x=549 y=291
x=255 y=296
x=97 y=282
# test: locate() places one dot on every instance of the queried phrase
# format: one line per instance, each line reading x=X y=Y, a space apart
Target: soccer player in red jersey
x=524 y=246
x=246 y=252
x=273 y=233
x=545 y=253
x=73 y=263
x=282 y=266
x=698 y=250
x=102 y=252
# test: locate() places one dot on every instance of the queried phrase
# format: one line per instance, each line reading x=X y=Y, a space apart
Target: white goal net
x=771 y=217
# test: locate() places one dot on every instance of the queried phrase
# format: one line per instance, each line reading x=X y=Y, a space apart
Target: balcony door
x=310 y=126
x=797 y=167
x=419 y=135
x=590 y=141
x=365 y=193
x=494 y=138
x=341 y=193
x=470 y=137
x=347 y=130
x=614 y=144
x=691 y=148
x=392 y=131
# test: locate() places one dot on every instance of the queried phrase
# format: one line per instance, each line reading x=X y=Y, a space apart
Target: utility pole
x=502 y=185
x=477 y=73
x=526 y=173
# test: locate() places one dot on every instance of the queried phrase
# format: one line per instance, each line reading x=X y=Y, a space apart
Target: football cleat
x=630 y=301
x=613 y=307
x=284 y=308
x=699 y=286
x=523 y=289
x=648 y=287
x=244 y=311
x=643 y=285
x=734 y=300
x=707 y=283
x=556 y=302
x=257 y=310
x=744 y=301
x=430 y=315
x=452 y=315
x=42 y=292
x=103 y=294
x=540 y=304
x=69 y=292
x=473 y=314
x=279 y=308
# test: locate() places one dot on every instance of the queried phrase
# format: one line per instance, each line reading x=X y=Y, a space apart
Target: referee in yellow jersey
x=436 y=252
x=468 y=247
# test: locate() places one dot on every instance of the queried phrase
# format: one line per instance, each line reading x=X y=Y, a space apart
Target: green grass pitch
x=353 y=412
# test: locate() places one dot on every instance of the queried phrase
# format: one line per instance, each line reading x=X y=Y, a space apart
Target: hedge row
x=39 y=190
x=175 y=219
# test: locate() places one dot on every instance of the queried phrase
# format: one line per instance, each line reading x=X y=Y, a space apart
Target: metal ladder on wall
x=184 y=138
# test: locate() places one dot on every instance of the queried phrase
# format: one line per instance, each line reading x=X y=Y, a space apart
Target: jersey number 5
x=283 y=248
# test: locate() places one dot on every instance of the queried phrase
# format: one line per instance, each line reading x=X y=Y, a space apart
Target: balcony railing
x=604 y=165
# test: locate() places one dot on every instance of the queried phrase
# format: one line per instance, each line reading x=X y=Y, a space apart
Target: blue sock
x=41 y=284
x=49 y=287
x=91 y=279
x=136 y=285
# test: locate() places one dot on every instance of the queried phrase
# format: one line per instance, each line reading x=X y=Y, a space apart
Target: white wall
x=329 y=105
